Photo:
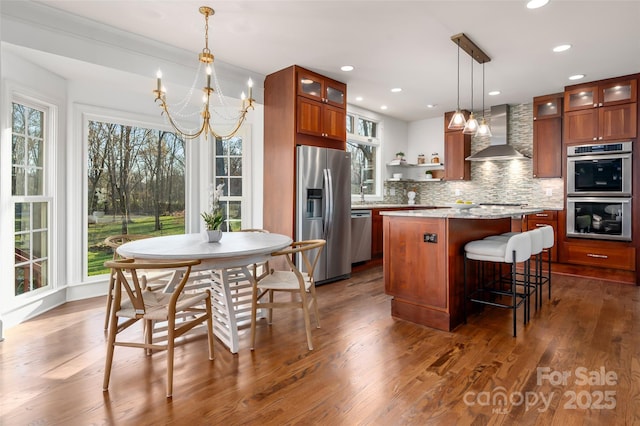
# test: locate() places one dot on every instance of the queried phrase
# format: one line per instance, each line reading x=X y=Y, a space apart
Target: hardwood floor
x=367 y=368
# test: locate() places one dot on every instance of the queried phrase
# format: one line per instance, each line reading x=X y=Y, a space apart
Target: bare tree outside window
x=135 y=185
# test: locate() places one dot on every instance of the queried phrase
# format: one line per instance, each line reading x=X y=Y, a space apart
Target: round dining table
x=225 y=268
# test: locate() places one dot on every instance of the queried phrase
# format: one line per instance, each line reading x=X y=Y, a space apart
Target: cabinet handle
x=600 y=104
x=542 y=215
x=595 y=105
x=598 y=256
x=540 y=225
x=595 y=139
x=600 y=138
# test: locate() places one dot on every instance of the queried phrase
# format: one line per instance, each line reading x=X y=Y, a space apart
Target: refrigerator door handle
x=329 y=208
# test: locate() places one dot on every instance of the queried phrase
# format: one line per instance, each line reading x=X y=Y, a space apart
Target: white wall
x=425 y=137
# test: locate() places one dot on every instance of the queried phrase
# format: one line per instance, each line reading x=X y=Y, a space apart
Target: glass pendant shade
x=458 y=122
x=483 y=128
x=471 y=127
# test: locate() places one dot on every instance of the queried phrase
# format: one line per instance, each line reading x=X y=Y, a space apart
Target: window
x=364 y=144
x=135 y=185
x=29 y=137
x=230 y=171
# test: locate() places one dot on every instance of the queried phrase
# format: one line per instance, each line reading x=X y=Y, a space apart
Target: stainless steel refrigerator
x=323 y=207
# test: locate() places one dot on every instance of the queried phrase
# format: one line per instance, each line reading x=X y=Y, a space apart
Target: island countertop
x=472 y=213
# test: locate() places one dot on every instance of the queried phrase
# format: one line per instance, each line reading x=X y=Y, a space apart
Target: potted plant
x=214 y=217
x=400 y=155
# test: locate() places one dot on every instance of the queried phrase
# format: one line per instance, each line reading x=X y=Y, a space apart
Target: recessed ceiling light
x=534 y=4
x=396 y=90
x=346 y=68
x=494 y=93
x=576 y=77
x=431 y=105
x=562 y=48
x=383 y=107
x=358 y=98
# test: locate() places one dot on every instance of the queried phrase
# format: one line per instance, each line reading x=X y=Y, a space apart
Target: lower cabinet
x=546 y=218
x=377 y=231
x=601 y=254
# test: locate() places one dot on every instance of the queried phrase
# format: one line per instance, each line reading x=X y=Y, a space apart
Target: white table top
x=233 y=245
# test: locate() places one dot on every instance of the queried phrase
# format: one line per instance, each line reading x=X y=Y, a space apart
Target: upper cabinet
x=547 y=136
x=601 y=111
x=321 y=106
x=321 y=89
x=457 y=147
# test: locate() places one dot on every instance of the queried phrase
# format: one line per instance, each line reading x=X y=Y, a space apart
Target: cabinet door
x=334 y=123
x=376 y=234
x=595 y=254
x=309 y=117
x=547 y=107
x=580 y=98
x=547 y=148
x=310 y=86
x=546 y=218
x=457 y=147
x=618 y=122
x=335 y=94
x=619 y=92
x=581 y=126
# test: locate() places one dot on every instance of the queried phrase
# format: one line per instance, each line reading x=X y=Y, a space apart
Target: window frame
x=369 y=141
x=23 y=96
x=245 y=206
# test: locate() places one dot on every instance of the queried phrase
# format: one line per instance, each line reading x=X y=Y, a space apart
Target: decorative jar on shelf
x=435 y=158
x=421 y=159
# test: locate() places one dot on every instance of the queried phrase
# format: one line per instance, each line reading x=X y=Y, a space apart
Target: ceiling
x=404 y=44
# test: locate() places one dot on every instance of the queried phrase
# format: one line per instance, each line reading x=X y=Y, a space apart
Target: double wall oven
x=599 y=191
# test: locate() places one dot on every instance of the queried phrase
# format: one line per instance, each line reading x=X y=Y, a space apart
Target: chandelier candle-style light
x=205 y=58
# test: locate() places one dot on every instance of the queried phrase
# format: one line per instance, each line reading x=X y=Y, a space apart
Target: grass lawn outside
x=98 y=252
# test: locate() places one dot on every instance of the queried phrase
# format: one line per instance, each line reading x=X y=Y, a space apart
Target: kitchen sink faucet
x=362 y=188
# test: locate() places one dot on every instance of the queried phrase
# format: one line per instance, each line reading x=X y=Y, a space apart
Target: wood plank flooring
x=367 y=368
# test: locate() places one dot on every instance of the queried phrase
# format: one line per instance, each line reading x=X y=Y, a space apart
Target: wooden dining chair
x=133 y=302
x=293 y=281
x=153 y=280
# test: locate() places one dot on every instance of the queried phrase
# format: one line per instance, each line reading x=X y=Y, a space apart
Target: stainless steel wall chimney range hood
x=499 y=148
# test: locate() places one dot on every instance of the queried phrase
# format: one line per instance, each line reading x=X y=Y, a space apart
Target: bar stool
x=542 y=239
x=536 y=279
x=516 y=249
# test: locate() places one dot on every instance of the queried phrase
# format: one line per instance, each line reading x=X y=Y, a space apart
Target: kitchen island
x=424 y=259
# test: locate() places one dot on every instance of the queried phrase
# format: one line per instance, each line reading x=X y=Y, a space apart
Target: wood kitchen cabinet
x=299 y=107
x=457 y=147
x=321 y=106
x=604 y=254
x=547 y=136
x=546 y=218
x=601 y=111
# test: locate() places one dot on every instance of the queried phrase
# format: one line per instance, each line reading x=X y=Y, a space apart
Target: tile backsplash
x=508 y=181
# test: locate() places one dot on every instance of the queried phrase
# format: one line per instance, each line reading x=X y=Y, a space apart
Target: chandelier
x=458 y=122
x=172 y=113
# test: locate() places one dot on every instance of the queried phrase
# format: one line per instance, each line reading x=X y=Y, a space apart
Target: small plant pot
x=212 y=235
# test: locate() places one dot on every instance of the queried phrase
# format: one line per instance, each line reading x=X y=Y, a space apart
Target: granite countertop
x=472 y=213
x=388 y=205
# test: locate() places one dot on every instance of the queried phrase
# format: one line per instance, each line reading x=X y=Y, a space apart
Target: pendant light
x=458 y=121
x=472 y=124
x=483 y=128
